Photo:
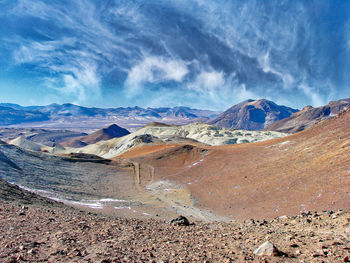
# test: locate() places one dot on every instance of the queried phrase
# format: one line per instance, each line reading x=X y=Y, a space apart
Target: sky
x=151 y=53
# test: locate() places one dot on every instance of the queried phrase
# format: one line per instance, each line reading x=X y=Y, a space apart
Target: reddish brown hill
x=110 y=132
x=308 y=116
x=306 y=171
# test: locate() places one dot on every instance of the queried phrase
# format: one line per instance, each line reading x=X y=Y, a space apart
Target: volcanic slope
x=309 y=170
x=308 y=116
x=159 y=133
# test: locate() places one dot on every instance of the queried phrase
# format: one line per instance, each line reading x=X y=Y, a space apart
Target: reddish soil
x=309 y=170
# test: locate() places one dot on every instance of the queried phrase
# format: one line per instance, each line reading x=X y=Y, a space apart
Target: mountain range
x=74 y=116
x=63 y=110
x=247 y=115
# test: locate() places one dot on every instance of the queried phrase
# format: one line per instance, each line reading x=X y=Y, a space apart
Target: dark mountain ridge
x=308 y=116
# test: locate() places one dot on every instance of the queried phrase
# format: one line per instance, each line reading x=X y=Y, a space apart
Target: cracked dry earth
x=36 y=233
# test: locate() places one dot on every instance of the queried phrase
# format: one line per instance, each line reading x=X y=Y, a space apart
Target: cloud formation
x=155 y=70
x=209 y=54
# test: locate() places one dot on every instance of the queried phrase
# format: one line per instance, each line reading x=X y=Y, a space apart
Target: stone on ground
x=267 y=249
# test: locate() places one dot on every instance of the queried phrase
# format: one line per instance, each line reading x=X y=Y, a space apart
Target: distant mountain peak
x=252 y=115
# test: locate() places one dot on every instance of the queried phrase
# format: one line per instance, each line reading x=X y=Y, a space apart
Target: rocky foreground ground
x=40 y=233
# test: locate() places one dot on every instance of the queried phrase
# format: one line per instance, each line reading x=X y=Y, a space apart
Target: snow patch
x=194 y=164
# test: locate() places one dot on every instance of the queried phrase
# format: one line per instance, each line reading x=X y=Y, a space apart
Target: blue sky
x=198 y=53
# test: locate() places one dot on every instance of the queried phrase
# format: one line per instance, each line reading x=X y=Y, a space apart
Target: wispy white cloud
x=155 y=70
x=287 y=78
x=208 y=81
x=79 y=82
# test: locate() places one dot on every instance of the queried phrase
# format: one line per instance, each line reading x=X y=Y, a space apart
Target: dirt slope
x=306 y=171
